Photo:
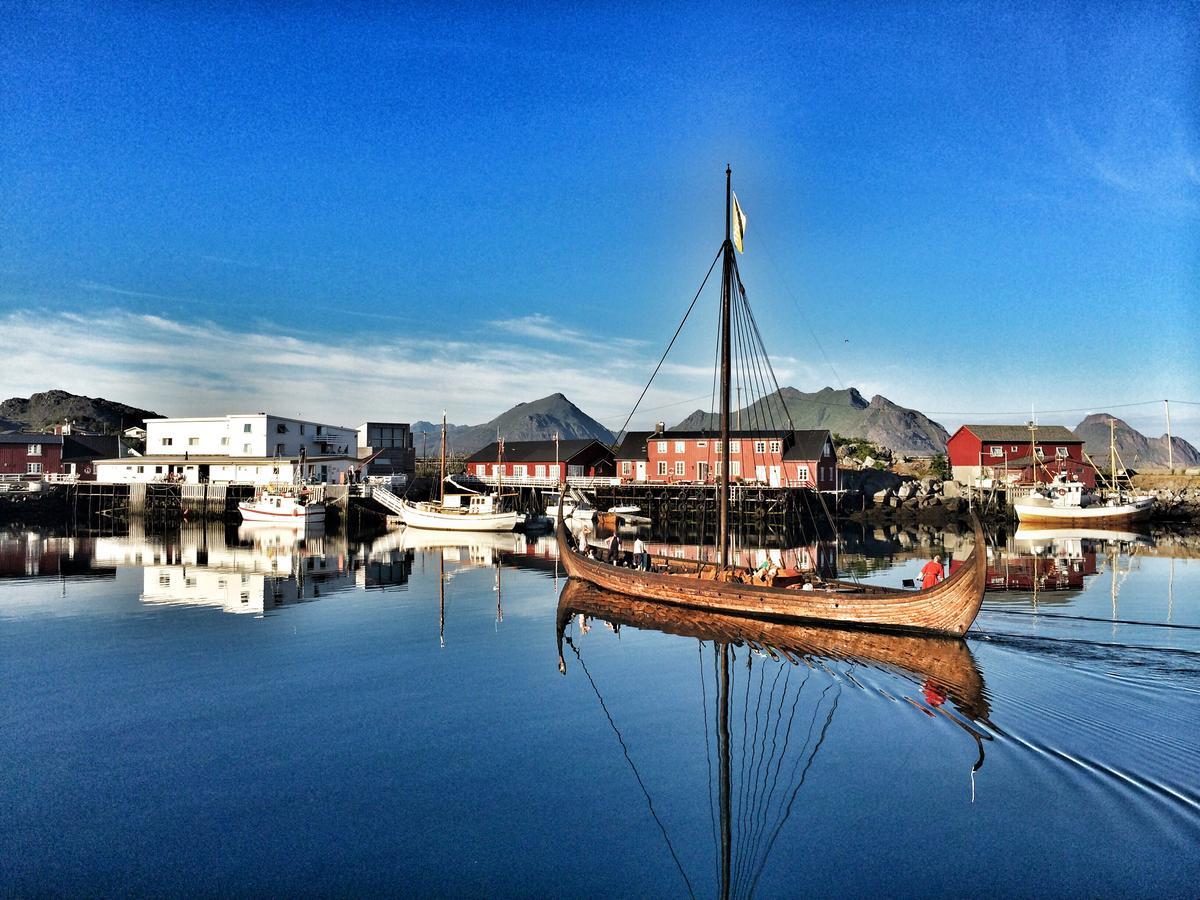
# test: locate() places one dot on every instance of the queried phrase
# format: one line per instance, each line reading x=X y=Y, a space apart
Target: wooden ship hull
x=942 y=663
x=947 y=608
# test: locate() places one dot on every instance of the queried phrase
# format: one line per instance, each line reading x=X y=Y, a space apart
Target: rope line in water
x=636 y=774
x=1020 y=612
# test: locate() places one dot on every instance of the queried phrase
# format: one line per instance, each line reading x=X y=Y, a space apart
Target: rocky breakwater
x=1176 y=505
x=879 y=495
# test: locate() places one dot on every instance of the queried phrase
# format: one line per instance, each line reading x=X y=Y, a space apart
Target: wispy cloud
x=192 y=368
x=97 y=287
x=543 y=328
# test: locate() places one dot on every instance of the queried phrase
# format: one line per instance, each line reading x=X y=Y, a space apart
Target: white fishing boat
x=283 y=507
x=1063 y=502
x=554 y=503
x=478 y=513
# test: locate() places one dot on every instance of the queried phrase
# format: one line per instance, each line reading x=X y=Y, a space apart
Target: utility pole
x=1170 y=446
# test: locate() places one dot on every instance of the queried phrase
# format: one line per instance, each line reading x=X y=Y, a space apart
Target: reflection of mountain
x=764 y=729
x=31 y=554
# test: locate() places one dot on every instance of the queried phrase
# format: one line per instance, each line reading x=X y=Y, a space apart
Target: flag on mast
x=739 y=225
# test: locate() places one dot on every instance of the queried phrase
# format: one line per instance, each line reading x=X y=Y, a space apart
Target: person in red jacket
x=932 y=573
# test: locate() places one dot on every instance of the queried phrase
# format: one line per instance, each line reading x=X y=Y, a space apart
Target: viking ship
x=948 y=607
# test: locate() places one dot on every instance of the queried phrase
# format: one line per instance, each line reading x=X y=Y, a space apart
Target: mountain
x=41 y=412
x=846 y=413
x=538 y=420
x=1137 y=451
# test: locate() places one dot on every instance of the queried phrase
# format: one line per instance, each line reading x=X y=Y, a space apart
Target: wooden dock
x=157 y=500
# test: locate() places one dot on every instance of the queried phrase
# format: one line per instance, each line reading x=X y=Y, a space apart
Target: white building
x=247 y=449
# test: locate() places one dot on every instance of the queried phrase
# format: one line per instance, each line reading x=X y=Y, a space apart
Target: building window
x=775 y=446
x=718 y=466
x=245 y=448
x=520 y=471
x=246 y=428
x=735 y=468
x=481 y=469
x=662 y=467
x=997 y=451
x=1060 y=452
x=34 y=450
x=158 y=470
x=279 y=449
x=318 y=430
x=760 y=446
x=702 y=471
x=541 y=471
x=167 y=442
x=735 y=446
x=662 y=446
x=701 y=444
x=1013 y=449
x=141 y=469
x=679 y=446
x=302 y=428
x=626 y=467
x=802 y=472
x=281 y=428
x=193 y=442
x=225 y=441
x=33 y=468
x=680 y=466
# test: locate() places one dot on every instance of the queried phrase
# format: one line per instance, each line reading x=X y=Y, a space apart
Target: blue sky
x=349 y=212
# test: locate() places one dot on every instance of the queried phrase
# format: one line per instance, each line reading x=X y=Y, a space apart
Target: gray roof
x=29 y=437
x=1017 y=434
x=535 y=451
x=807 y=444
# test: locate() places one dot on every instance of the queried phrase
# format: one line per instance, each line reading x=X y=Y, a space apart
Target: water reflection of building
x=31 y=554
x=251 y=568
x=1051 y=559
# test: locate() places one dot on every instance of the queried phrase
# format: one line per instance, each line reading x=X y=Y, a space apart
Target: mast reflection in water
x=766 y=729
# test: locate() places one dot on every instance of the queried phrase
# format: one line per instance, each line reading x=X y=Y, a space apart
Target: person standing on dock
x=932 y=573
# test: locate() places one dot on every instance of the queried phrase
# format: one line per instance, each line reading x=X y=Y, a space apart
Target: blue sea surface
x=216 y=713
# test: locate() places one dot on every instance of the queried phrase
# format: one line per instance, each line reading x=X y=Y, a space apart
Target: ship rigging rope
x=674 y=337
x=636 y=774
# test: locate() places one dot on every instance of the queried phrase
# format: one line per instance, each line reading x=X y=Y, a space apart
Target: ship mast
x=727 y=264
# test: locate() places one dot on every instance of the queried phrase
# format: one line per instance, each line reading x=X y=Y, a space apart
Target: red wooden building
x=1009 y=453
x=30 y=455
x=554 y=460
x=778 y=458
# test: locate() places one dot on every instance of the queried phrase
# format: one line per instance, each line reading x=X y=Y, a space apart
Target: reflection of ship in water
x=31 y=554
x=782 y=719
x=1053 y=559
x=252 y=569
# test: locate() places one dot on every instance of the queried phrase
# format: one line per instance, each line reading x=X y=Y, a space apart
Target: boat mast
x=442 y=480
x=726 y=297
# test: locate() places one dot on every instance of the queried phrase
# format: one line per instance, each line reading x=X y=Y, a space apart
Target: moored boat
x=1064 y=503
x=282 y=507
x=479 y=513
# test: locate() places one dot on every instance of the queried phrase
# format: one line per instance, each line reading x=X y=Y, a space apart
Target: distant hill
x=534 y=421
x=847 y=413
x=41 y=412
x=1136 y=449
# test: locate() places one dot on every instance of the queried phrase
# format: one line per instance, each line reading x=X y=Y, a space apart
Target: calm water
x=232 y=712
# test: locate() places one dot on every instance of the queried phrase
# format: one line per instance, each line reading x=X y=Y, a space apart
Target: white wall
x=247 y=435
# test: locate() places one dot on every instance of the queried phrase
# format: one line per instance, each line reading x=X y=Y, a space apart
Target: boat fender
x=1060 y=492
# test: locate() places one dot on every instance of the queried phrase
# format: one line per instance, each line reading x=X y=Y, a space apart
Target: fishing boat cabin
x=1010 y=454
x=535 y=462
x=779 y=458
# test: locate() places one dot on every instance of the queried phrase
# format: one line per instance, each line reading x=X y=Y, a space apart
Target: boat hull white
x=282 y=511
x=1100 y=514
x=416 y=516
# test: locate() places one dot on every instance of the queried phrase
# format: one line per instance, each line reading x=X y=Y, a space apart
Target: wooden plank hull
x=944 y=665
x=947 y=608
